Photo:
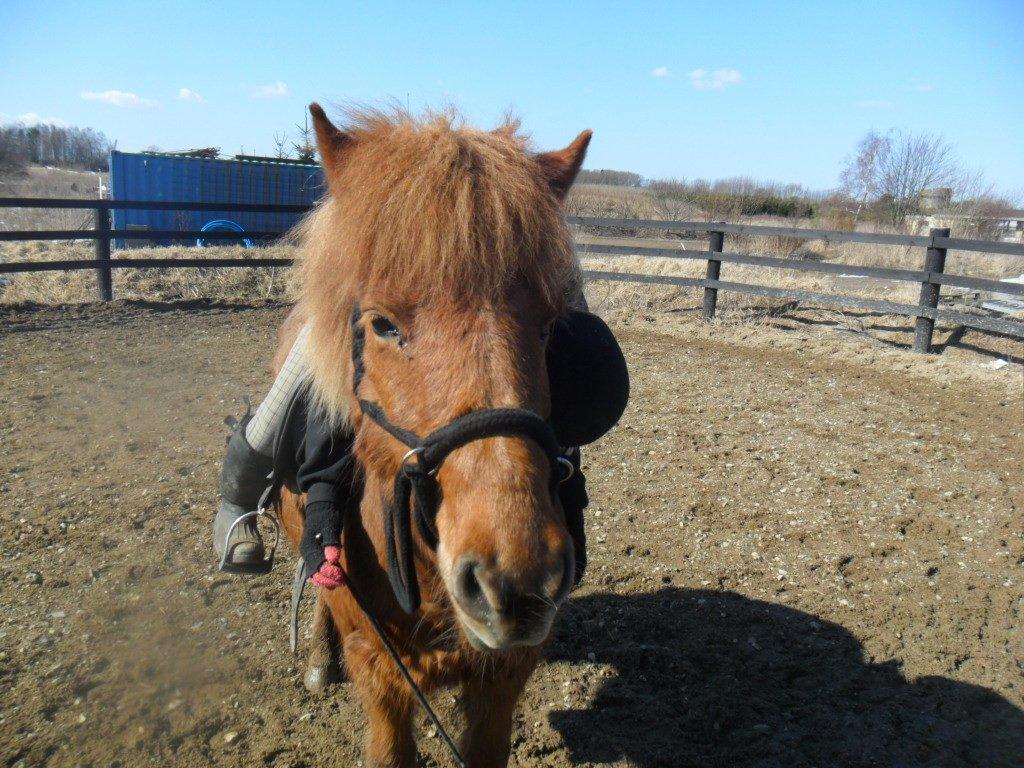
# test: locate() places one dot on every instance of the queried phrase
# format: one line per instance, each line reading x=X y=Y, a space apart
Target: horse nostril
x=467 y=582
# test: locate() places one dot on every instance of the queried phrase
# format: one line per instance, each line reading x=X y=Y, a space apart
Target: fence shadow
x=704 y=678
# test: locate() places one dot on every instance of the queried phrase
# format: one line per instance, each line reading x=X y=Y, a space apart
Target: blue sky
x=778 y=90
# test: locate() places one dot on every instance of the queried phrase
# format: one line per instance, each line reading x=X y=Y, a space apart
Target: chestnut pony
x=451 y=241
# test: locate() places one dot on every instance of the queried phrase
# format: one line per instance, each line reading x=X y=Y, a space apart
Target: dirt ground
x=803 y=552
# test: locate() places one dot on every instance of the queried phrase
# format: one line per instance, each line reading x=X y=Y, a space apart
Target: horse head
x=433 y=274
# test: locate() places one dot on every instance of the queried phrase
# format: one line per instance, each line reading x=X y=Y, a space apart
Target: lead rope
x=416 y=691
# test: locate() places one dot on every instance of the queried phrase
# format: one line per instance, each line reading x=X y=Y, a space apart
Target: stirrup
x=251 y=569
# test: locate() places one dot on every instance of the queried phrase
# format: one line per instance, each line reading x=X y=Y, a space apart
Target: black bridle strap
x=376 y=413
x=476 y=425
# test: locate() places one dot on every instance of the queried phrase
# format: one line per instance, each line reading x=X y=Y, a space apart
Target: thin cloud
x=661 y=72
x=187 y=94
x=271 y=91
x=923 y=88
x=120 y=99
x=874 y=104
x=718 y=80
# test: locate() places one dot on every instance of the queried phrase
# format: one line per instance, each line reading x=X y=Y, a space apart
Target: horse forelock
x=426 y=209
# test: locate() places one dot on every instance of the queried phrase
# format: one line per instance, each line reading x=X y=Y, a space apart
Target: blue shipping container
x=155 y=176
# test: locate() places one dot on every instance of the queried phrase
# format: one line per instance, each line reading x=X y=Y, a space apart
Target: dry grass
x=613 y=202
x=652 y=297
x=868 y=254
x=626 y=202
x=615 y=296
x=49 y=182
x=153 y=284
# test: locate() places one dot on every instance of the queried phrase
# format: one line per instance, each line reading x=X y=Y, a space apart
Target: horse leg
x=323 y=666
x=490 y=701
x=389 y=743
x=387 y=703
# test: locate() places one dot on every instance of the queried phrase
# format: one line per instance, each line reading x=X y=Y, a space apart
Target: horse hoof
x=319 y=676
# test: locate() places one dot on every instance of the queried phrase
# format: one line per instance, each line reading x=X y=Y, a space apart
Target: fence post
x=934 y=261
x=103 y=276
x=715 y=245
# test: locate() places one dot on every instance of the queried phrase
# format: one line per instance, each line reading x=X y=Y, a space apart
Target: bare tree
x=912 y=164
x=896 y=168
x=305 y=147
x=860 y=176
x=281 y=145
x=14 y=155
x=672 y=200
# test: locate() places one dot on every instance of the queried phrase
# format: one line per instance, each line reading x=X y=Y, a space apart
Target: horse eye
x=385 y=329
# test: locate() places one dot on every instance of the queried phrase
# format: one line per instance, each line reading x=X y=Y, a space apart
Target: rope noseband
x=416 y=489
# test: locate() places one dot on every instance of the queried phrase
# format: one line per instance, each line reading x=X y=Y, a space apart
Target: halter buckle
x=417 y=451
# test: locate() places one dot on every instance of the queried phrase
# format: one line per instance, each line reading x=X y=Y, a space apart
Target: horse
x=445 y=250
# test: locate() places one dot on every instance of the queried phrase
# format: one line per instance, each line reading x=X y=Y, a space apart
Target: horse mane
x=426 y=209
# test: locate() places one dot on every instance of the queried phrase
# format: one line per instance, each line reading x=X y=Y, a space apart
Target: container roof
x=213 y=154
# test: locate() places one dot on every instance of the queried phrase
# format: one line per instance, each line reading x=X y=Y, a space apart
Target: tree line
x=54 y=145
x=884 y=180
x=726 y=198
x=610 y=177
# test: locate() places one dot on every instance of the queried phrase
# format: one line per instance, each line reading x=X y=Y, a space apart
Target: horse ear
x=331 y=142
x=561 y=166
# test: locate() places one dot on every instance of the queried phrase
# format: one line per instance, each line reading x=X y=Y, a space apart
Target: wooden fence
x=931 y=276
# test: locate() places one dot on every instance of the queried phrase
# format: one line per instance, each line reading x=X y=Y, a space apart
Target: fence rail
x=829 y=235
x=147 y=205
x=134 y=234
x=931 y=276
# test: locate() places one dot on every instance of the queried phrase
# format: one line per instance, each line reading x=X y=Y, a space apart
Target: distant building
x=937 y=209
x=935 y=199
x=1011 y=226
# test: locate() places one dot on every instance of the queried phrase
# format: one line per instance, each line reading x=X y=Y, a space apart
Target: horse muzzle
x=499 y=609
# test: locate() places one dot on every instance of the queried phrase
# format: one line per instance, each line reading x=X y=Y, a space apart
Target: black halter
x=416 y=487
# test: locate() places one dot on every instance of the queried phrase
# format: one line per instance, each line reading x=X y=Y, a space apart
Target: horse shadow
x=705 y=678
